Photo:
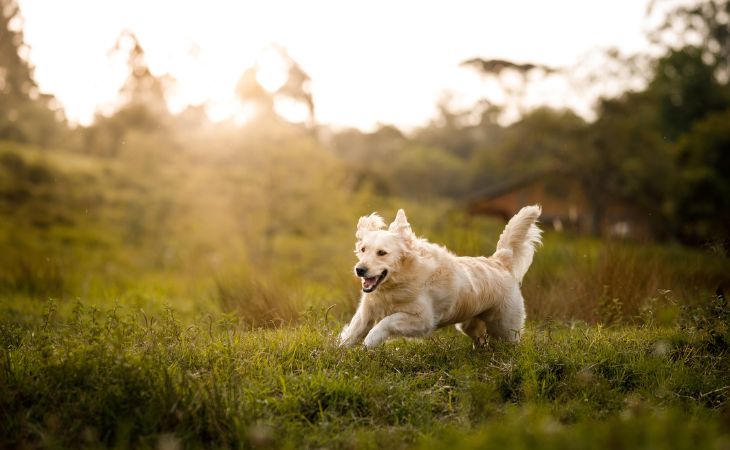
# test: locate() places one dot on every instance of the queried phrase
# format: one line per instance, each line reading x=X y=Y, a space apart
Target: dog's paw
x=481 y=341
x=343 y=338
x=373 y=339
x=343 y=342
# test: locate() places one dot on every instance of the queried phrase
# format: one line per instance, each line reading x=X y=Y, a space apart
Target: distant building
x=564 y=208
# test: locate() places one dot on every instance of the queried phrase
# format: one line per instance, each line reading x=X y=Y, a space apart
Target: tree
x=142 y=102
x=512 y=78
x=295 y=87
x=425 y=173
x=250 y=91
x=543 y=140
x=452 y=131
x=16 y=75
x=368 y=156
x=703 y=24
x=703 y=189
x=628 y=159
x=141 y=88
x=685 y=89
x=691 y=91
x=26 y=115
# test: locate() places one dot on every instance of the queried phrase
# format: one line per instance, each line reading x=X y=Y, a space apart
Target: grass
x=168 y=306
x=113 y=377
x=188 y=231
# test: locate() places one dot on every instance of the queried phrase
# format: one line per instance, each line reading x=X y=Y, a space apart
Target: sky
x=371 y=62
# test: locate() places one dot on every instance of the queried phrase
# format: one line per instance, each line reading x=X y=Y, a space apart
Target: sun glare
x=365 y=68
x=272 y=69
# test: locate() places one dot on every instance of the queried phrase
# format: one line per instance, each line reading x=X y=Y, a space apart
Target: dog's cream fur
x=411 y=286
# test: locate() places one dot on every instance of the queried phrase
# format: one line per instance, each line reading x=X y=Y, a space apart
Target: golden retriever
x=411 y=286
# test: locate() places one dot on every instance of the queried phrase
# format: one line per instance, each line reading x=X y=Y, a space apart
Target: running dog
x=412 y=287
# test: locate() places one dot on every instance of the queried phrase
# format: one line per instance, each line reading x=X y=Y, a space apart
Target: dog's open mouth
x=370 y=283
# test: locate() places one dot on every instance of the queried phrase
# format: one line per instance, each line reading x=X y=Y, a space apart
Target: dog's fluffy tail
x=518 y=241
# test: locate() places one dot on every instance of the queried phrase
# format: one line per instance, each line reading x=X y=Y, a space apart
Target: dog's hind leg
x=508 y=321
x=399 y=324
x=476 y=329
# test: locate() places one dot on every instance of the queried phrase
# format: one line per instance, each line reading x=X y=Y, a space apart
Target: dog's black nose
x=361 y=271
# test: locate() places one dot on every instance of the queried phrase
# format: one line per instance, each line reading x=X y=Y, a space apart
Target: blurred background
x=216 y=156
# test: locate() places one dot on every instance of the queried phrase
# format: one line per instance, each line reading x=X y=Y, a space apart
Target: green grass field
x=122 y=378
x=145 y=312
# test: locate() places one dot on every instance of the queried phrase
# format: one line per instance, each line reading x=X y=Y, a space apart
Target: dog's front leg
x=358 y=327
x=399 y=324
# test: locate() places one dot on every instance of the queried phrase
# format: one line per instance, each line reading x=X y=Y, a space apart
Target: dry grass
x=259 y=302
x=613 y=282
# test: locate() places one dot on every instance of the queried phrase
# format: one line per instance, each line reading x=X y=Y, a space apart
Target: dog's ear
x=372 y=222
x=401 y=226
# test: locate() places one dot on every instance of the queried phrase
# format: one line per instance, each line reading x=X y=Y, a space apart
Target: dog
x=410 y=287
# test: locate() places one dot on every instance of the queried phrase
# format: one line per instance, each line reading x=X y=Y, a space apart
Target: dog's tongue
x=367 y=283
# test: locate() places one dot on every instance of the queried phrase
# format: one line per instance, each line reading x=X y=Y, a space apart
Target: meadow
x=172 y=278
x=147 y=304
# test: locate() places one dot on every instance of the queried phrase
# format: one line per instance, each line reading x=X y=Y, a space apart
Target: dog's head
x=380 y=251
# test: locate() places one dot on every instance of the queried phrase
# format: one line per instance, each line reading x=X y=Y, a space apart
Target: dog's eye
x=362 y=249
x=382 y=253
